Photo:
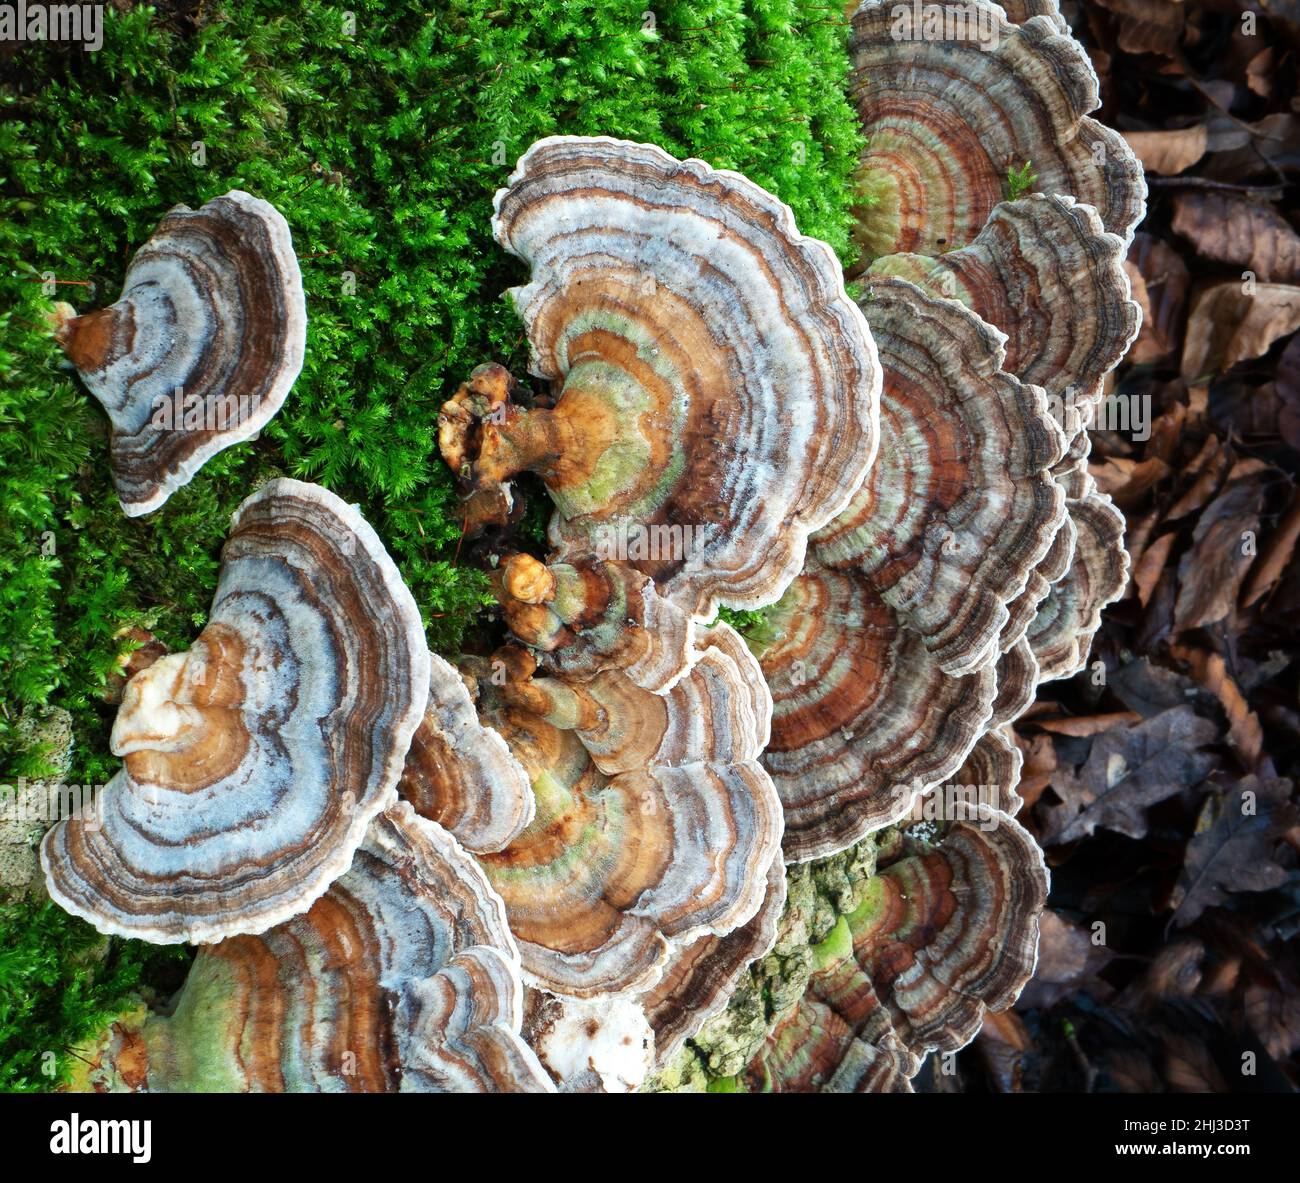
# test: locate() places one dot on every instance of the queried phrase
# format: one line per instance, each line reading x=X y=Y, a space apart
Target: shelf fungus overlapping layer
x=462 y=774
x=1045 y=271
x=715 y=386
x=960 y=505
x=200 y=350
x=402 y=977
x=948 y=117
x=655 y=822
x=254 y=762
x=946 y=932
x=1070 y=614
x=864 y=717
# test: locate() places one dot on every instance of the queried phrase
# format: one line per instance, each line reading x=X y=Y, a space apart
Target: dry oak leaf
x=1223 y=548
x=1211 y=671
x=1128 y=769
x=1160 y=282
x=1233 y=846
x=1168 y=152
x=1235 y=321
x=1232 y=229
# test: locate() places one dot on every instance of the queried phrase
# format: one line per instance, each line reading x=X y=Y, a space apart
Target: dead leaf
x=1208 y=468
x=1232 y=229
x=1287 y=384
x=1127 y=770
x=1085 y=726
x=1147 y=570
x=1161 y=292
x=1273 y=1012
x=1003 y=1040
x=1277 y=552
x=1148 y=26
x=1128 y=480
x=1211 y=672
x=1067 y=958
x=1211 y=573
x=1233 y=850
x=1150 y=689
x=1259 y=73
x=1230 y=323
x=1168 y=152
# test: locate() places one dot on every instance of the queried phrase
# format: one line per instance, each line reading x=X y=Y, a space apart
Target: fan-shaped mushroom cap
x=1017 y=674
x=945 y=933
x=947 y=119
x=700 y=977
x=864 y=718
x=1046 y=273
x=202 y=347
x=593 y=1045
x=959 y=506
x=673 y=841
x=712 y=372
x=255 y=761
x=1053 y=567
x=994 y=764
x=402 y=976
x=462 y=774
x=1069 y=617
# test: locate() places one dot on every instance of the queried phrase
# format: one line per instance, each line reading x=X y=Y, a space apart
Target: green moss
x=1020 y=181
x=383 y=147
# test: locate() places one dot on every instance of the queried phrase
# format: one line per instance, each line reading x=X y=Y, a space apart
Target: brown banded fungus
x=715 y=387
x=254 y=762
x=201 y=348
x=1070 y=615
x=462 y=774
x=654 y=824
x=946 y=932
x=947 y=118
x=864 y=717
x=959 y=506
x=1045 y=271
x=402 y=977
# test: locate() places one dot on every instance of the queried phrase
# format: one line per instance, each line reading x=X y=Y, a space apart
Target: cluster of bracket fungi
x=553 y=867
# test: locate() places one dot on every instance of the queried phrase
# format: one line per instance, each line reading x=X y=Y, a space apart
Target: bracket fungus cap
x=201 y=348
x=255 y=761
x=946 y=119
x=461 y=773
x=716 y=385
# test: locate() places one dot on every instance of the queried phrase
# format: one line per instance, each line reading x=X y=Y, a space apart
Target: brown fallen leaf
x=1002 y=1042
x=1286 y=382
x=1128 y=769
x=1211 y=672
x=1273 y=1012
x=1189 y=1065
x=1208 y=467
x=1277 y=552
x=1223 y=547
x=1037 y=769
x=1127 y=481
x=1168 y=152
x=1259 y=73
x=1234 y=846
x=1067 y=958
x=1235 y=321
x=1160 y=282
x=1147 y=570
x=1084 y=726
x=1148 y=26
x=1232 y=229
